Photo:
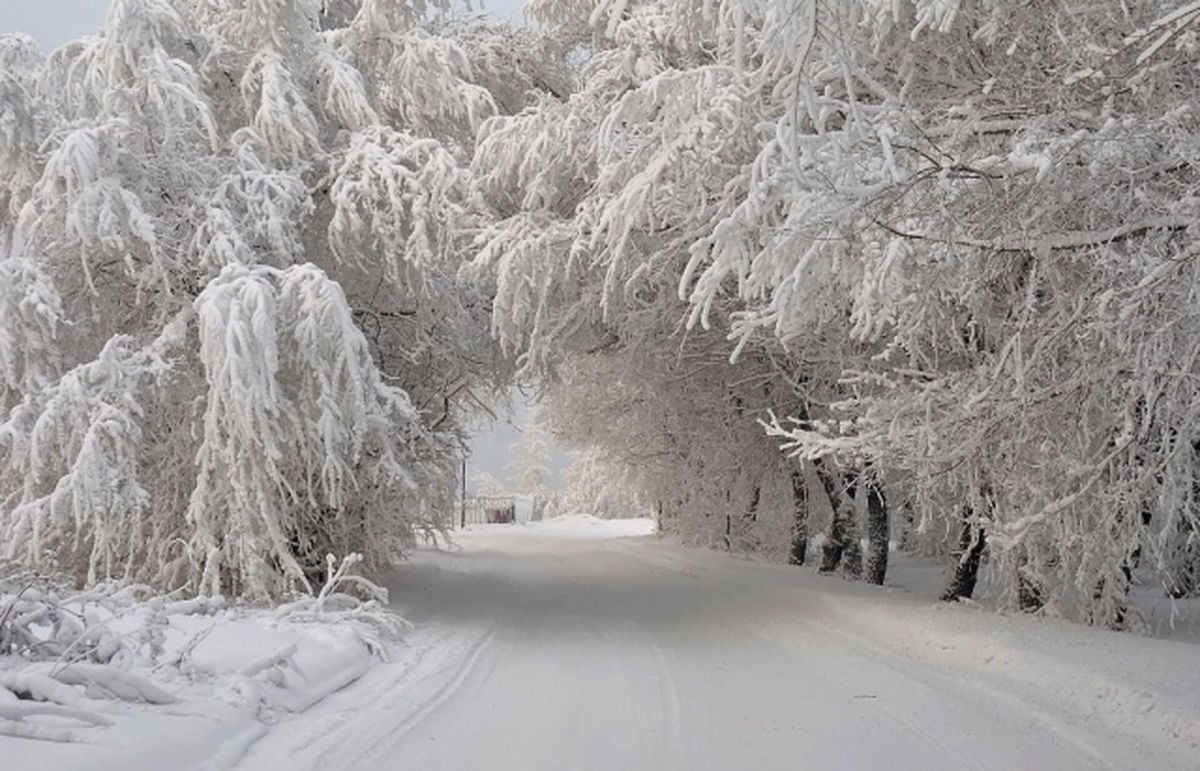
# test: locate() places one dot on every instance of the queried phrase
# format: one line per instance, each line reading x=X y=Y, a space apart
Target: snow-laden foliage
x=531 y=467
x=965 y=230
x=599 y=198
x=30 y=319
x=678 y=437
x=600 y=489
x=73 y=486
x=305 y=450
x=233 y=339
x=943 y=251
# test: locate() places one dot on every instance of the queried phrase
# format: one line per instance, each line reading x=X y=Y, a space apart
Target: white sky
x=54 y=22
x=492 y=449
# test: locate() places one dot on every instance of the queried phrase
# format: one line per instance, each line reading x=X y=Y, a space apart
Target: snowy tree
x=483 y=483
x=965 y=229
x=531 y=466
x=590 y=243
x=602 y=488
x=233 y=336
x=942 y=251
x=998 y=229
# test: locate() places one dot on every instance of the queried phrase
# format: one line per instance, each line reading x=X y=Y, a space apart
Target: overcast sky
x=54 y=22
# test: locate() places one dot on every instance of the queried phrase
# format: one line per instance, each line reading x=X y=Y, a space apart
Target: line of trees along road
x=792 y=272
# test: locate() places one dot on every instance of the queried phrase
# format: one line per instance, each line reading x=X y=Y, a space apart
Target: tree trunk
x=799 y=548
x=841 y=547
x=745 y=535
x=878 y=533
x=1183 y=576
x=1120 y=611
x=971 y=544
x=1030 y=597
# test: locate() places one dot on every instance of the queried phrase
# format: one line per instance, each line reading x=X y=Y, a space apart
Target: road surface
x=565 y=648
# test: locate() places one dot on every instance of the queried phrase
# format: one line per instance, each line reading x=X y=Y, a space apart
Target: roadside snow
x=104 y=680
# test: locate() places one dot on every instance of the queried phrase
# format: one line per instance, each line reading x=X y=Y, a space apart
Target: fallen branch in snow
x=22 y=709
x=20 y=730
x=202 y=606
x=31 y=694
x=75 y=650
x=280 y=657
x=39 y=687
x=100 y=680
x=377 y=625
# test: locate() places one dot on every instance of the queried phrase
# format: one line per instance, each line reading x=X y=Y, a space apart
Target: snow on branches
x=234 y=339
x=303 y=444
x=961 y=232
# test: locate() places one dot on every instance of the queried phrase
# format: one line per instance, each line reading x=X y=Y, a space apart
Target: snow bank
x=1137 y=686
x=109 y=680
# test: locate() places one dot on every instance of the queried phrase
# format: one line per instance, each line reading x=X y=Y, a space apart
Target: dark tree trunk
x=1120 y=614
x=852 y=555
x=799 y=548
x=908 y=531
x=878 y=533
x=1029 y=594
x=972 y=542
x=728 y=520
x=746 y=536
x=841 y=547
x=831 y=550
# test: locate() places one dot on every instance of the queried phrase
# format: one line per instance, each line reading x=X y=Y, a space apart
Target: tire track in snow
x=354 y=736
x=674 y=750
x=429 y=705
x=383 y=736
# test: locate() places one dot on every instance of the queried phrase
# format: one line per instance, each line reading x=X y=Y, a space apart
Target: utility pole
x=464 y=492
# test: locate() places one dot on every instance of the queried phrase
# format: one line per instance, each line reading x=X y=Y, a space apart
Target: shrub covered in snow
x=65 y=653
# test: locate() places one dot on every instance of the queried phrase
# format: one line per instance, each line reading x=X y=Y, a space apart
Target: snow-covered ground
x=567 y=645
x=108 y=679
x=588 y=644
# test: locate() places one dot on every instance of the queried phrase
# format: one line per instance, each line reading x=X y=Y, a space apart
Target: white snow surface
x=580 y=643
x=571 y=645
x=221 y=678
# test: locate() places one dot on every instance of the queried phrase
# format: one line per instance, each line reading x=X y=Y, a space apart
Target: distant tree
x=483 y=483
x=532 y=466
x=601 y=489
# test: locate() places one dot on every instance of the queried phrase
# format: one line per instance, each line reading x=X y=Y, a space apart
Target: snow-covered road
x=570 y=648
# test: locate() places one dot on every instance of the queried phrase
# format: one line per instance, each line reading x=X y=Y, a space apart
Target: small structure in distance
x=498 y=509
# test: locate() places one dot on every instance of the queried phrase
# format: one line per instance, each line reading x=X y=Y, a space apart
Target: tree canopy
x=778 y=268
